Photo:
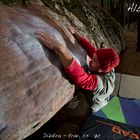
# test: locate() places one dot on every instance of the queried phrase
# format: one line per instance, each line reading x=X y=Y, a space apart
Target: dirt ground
x=130 y=59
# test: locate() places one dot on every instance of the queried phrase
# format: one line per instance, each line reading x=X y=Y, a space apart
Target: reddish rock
x=32 y=88
x=77 y=108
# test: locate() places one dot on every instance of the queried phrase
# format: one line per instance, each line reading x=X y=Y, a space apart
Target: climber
x=101 y=76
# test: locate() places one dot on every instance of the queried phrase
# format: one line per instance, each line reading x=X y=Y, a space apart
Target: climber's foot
x=49 y=41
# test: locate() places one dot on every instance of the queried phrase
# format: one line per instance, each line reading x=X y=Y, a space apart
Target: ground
x=130 y=59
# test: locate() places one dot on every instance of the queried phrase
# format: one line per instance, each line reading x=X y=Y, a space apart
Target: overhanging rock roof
x=32 y=85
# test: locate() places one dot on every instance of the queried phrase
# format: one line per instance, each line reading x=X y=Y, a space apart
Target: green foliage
x=47 y=2
x=7 y=2
x=76 y=7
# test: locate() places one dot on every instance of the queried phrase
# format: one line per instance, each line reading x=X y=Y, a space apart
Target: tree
x=138 y=32
x=121 y=12
x=102 y=3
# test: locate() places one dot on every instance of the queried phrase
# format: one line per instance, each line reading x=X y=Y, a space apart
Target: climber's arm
x=83 y=42
x=77 y=74
x=50 y=42
x=80 y=78
x=87 y=46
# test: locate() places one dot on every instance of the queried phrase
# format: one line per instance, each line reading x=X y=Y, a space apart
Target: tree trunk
x=129 y=21
x=138 y=32
x=102 y=3
x=121 y=12
x=109 y=6
x=116 y=9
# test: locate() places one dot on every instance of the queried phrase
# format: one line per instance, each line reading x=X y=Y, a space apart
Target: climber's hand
x=74 y=32
x=71 y=29
x=63 y=52
x=49 y=41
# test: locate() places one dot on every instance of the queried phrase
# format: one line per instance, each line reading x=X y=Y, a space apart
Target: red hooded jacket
x=76 y=72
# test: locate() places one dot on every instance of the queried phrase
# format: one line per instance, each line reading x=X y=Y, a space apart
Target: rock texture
x=32 y=88
x=91 y=20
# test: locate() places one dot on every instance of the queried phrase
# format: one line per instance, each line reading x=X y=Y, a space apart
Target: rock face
x=32 y=88
x=91 y=20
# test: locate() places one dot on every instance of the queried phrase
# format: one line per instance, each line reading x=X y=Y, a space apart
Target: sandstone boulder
x=32 y=85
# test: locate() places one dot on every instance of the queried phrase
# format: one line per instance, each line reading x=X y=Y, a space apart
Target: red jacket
x=77 y=74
